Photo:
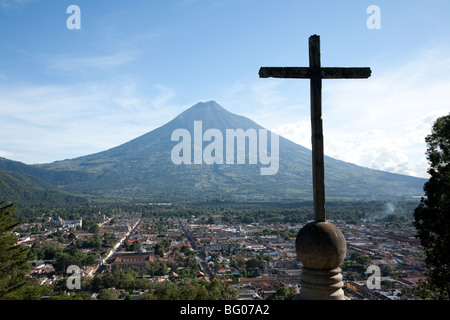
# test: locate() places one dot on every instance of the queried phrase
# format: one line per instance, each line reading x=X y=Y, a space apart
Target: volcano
x=144 y=168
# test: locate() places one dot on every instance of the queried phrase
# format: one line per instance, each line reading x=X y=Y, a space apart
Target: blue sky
x=135 y=65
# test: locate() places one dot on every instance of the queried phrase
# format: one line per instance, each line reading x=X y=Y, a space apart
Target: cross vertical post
x=318 y=167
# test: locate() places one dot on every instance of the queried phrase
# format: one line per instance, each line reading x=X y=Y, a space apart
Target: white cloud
x=164 y=96
x=267 y=94
x=298 y=132
x=58 y=122
x=382 y=122
x=87 y=64
x=6 y=154
x=270 y=102
x=13 y=4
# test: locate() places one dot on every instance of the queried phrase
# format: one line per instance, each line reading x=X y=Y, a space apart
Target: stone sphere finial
x=320 y=246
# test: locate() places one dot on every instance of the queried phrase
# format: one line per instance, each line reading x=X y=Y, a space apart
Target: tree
x=64 y=260
x=360 y=258
x=283 y=293
x=107 y=294
x=432 y=216
x=13 y=257
x=135 y=246
x=159 y=250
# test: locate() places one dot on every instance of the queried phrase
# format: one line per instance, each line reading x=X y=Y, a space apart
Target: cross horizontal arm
x=307 y=73
x=284 y=72
x=345 y=73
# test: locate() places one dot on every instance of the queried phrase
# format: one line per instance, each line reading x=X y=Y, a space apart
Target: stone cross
x=316 y=73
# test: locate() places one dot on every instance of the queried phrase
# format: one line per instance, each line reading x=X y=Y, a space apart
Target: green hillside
x=26 y=190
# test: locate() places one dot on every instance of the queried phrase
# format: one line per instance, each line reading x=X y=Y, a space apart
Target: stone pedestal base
x=321 y=285
x=321 y=249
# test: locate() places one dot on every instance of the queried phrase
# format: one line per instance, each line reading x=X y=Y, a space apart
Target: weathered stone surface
x=321 y=246
x=321 y=249
x=322 y=285
x=308 y=73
